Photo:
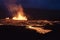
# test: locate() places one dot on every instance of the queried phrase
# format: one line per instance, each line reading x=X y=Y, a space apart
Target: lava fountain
x=19 y=17
x=20 y=14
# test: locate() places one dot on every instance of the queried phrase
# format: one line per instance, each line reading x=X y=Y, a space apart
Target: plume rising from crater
x=18 y=13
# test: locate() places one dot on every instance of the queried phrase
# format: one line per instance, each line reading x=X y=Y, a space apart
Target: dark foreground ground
x=21 y=33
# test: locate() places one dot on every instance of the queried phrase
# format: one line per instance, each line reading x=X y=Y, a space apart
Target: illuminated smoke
x=19 y=14
x=15 y=10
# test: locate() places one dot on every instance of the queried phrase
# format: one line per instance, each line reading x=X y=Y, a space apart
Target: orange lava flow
x=39 y=29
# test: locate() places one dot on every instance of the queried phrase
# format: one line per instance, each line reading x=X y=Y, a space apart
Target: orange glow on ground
x=39 y=29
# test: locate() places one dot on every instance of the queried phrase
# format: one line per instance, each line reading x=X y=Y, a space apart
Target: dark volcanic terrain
x=19 y=32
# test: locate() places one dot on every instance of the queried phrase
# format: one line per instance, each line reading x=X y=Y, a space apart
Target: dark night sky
x=39 y=4
x=47 y=4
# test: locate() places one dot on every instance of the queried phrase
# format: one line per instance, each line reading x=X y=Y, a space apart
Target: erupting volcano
x=19 y=19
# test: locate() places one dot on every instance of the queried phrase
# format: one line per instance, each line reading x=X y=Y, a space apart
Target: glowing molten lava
x=19 y=16
x=39 y=29
x=18 y=13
